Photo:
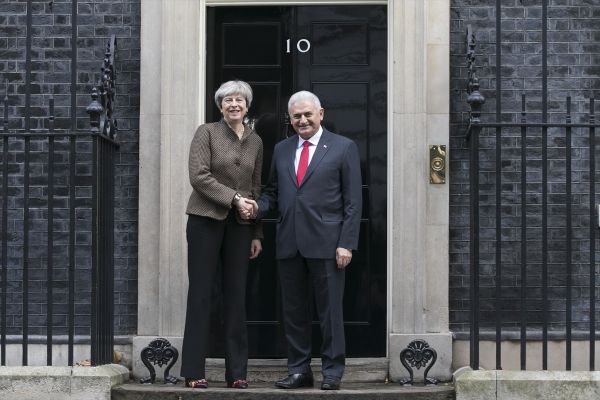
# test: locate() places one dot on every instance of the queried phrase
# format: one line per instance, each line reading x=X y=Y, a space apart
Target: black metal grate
x=58 y=191
x=507 y=239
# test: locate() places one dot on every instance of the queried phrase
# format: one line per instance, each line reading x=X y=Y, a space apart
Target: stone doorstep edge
x=65 y=380
x=526 y=385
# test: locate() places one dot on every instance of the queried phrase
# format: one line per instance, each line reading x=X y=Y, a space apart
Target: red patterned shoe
x=196 y=383
x=238 y=384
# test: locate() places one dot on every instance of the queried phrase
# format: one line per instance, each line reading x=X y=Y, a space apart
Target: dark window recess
x=251 y=44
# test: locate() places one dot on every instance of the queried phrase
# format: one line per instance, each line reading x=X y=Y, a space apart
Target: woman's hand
x=245 y=208
x=255 y=248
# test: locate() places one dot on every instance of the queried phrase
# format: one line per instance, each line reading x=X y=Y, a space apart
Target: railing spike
x=101 y=108
x=5 y=121
x=51 y=114
x=475 y=98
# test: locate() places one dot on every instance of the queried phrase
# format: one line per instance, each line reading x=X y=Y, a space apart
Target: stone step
x=271 y=370
x=266 y=391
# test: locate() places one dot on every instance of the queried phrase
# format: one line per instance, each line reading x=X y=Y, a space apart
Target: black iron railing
x=57 y=230
x=573 y=216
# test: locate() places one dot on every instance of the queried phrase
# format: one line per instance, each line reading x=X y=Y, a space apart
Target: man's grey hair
x=233 y=87
x=304 y=95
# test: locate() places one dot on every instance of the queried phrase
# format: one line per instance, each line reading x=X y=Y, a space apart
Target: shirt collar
x=314 y=140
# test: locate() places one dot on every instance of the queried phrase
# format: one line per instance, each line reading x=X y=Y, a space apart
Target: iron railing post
x=476 y=101
x=104 y=132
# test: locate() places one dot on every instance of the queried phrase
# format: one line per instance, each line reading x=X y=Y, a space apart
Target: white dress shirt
x=314 y=141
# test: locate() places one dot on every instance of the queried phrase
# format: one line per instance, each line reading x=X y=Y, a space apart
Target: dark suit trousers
x=299 y=277
x=213 y=243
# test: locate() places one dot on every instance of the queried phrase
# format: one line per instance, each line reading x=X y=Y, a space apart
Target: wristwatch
x=236 y=198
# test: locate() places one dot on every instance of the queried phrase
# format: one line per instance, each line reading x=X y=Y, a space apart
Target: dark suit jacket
x=324 y=212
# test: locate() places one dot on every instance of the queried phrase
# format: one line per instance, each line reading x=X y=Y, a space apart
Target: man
x=315 y=184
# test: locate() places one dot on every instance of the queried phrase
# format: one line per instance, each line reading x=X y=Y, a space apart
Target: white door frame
x=173 y=59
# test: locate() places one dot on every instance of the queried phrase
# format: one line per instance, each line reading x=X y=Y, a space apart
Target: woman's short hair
x=233 y=87
x=304 y=95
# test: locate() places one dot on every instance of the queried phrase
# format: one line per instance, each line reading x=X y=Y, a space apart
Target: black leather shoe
x=295 y=381
x=330 y=384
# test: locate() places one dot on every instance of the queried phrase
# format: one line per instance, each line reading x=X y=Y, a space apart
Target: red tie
x=303 y=164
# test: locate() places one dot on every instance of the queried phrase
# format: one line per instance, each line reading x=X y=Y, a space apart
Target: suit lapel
x=291 y=152
x=320 y=151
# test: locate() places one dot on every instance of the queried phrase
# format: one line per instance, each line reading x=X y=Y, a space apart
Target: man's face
x=306 y=118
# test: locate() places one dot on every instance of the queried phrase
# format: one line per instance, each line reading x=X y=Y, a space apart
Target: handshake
x=247 y=208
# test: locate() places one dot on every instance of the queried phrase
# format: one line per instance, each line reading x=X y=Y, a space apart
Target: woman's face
x=234 y=108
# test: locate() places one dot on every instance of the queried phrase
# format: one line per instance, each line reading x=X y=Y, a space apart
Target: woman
x=225 y=165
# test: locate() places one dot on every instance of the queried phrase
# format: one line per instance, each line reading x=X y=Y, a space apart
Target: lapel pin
x=325 y=145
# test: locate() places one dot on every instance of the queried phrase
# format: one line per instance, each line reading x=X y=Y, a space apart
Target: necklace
x=239 y=130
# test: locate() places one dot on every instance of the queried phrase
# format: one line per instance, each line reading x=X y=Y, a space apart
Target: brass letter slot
x=437 y=163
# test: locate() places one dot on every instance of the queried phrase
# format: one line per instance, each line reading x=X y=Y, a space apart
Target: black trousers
x=213 y=243
x=299 y=277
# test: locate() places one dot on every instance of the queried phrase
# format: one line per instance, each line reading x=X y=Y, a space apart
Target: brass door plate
x=437 y=163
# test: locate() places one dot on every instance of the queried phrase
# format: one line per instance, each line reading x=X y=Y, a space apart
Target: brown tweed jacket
x=220 y=165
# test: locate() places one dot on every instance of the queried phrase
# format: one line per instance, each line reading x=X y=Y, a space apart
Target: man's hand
x=343 y=257
x=255 y=248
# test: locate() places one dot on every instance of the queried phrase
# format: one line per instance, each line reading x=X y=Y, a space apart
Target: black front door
x=340 y=54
